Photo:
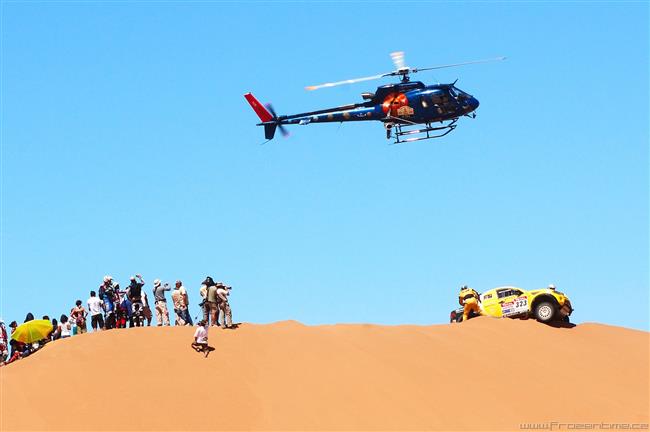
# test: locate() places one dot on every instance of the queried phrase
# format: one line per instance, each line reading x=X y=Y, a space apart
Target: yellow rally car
x=545 y=305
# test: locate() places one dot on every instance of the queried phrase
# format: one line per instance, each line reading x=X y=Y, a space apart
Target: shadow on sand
x=202 y=348
x=561 y=324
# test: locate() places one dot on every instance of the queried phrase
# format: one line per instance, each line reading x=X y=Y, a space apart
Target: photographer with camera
x=162 y=314
x=203 y=292
x=210 y=307
x=223 y=292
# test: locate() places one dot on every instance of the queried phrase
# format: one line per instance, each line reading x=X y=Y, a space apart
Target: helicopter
x=409 y=110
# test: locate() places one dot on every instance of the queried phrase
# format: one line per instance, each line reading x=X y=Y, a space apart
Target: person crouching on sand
x=200 y=343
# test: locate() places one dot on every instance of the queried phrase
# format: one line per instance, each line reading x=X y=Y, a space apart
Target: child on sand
x=200 y=343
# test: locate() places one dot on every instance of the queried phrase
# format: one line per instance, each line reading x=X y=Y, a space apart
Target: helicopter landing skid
x=428 y=132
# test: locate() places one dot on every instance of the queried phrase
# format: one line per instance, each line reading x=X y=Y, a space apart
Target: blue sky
x=127 y=147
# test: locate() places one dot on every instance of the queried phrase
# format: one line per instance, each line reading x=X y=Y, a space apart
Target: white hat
x=551 y=286
x=156 y=282
x=108 y=278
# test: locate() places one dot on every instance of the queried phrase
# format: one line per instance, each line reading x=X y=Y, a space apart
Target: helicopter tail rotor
x=283 y=130
x=268 y=117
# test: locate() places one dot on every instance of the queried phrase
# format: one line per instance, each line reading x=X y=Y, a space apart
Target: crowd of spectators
x=113 y=308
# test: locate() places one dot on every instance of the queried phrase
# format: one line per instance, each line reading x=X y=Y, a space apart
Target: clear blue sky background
x=127 y=147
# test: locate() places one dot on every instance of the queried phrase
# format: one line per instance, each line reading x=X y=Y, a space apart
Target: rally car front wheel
x=545 y=311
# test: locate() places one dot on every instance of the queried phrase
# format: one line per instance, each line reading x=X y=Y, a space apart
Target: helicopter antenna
x=401 y=70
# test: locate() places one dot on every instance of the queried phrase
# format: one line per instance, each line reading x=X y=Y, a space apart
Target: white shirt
x=95 y=306
x=184 y=294
x=201 y=334
x=143 y=297
x=65 y=329
x=223 y=293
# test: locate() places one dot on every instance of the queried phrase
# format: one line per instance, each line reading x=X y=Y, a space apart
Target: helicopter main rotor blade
x=402 y=70
x=398 y=59
x=458 y=64
x=350 y=81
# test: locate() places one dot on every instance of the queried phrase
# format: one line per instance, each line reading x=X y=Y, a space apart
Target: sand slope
x=486 y=374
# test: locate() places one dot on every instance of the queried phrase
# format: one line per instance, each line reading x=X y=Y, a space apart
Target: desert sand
x=485 y=374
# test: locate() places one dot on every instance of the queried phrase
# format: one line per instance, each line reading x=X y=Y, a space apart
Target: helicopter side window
x=436 y=97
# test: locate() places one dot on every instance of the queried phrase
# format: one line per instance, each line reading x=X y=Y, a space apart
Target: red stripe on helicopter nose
x=259 y=109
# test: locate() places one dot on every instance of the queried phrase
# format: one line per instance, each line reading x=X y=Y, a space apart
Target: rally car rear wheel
x=545 y=311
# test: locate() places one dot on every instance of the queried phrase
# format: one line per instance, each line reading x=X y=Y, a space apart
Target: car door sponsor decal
x=515 y=307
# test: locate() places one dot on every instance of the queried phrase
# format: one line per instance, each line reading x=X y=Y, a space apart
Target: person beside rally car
x=469 y=299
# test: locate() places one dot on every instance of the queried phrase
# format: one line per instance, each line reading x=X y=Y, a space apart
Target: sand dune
x=485 y=374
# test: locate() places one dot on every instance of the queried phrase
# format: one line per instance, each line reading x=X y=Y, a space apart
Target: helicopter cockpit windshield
x=458 y=93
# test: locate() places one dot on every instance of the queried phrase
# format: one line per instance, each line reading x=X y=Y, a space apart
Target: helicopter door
x=435 y=101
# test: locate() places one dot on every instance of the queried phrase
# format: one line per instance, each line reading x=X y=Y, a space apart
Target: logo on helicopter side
x=395 y=102
x=405 y=111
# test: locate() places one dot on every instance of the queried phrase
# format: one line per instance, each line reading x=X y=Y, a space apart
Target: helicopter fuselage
x=406 y=103
x=396 y=105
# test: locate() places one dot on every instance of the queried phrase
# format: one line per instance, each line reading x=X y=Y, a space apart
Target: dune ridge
x=485 y=374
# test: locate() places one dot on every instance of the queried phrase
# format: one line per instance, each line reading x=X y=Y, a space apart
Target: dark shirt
x=135 y=290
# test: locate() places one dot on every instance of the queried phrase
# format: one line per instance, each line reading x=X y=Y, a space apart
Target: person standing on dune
x=179 y=305
x=203 y=292
x=65 y=328
x=212 y=300
x=95 y=307
x=162 y=314
x=186 y=303
x=78 y=315
x=107 y=295
x=134 y=290
x=106 y=292
x=224 y=307
x=146 y=310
